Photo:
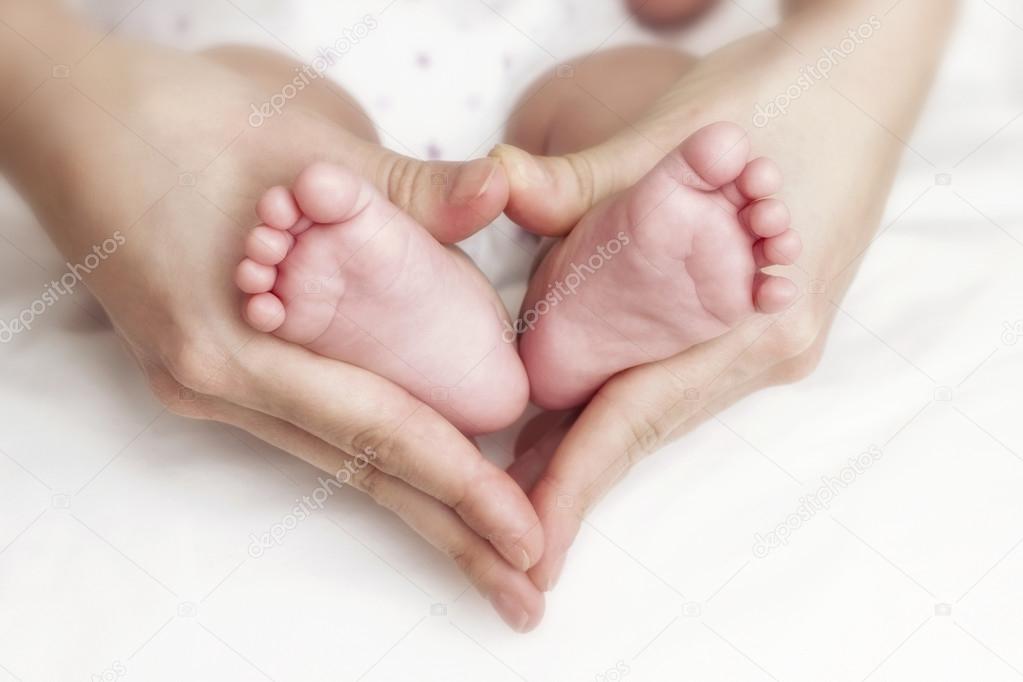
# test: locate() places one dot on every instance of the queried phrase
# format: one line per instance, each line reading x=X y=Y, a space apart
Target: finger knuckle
x=649 y=434
x=174 y=396
x=402 y=176
x=801 y=366
x=199 y=366
x=794 y=338
x=649 y=419
x=648 y=424
x=376 y=442
x=585 y=175
x=370 y=481
x=468 y=562
x=465 y=505
x=378 y=486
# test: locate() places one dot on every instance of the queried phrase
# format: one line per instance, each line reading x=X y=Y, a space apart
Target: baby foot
x=667 y=264
x=337 y=268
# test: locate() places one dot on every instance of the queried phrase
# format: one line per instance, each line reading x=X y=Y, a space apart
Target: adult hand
x=153 y=150
x=569 y=462
x=837 y=191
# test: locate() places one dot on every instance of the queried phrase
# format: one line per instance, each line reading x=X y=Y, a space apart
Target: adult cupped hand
x=165 y=160
x=568 y=461
x=837 y=202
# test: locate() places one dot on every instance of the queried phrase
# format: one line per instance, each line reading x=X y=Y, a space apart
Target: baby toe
x=784 y=249
x=268 y=246
x=277 y=208
x=774 y=294
x=760 y=179
x=766 y=218
x=264 y=312
x=255 y=278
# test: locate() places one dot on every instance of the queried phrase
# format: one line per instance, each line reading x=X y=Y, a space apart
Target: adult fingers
x=511 y=592
x=631 y=416
x=536 y=444
x=360 y=413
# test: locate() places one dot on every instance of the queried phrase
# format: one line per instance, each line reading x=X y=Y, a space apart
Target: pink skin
x=667 y=12
x=337 y=268
x=670 y=263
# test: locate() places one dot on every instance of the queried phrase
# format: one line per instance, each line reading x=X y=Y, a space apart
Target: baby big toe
x=327 y=193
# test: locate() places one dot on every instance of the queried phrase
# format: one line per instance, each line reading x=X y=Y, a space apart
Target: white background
x=124 y=530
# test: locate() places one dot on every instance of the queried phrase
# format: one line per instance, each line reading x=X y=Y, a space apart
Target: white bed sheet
x=124 y=531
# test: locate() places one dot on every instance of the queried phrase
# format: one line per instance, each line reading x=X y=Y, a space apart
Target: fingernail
x=472 y=181
x=523 y=169
x=512 y=614
x=552 y=581
x=513 y=552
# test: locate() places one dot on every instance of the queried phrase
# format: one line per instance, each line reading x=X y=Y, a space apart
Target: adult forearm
x=868 y=51
x=792 y=6
x=863 y=56
x=880 y=51
x=46 y=123
x=37 y=38
x=41 y=43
